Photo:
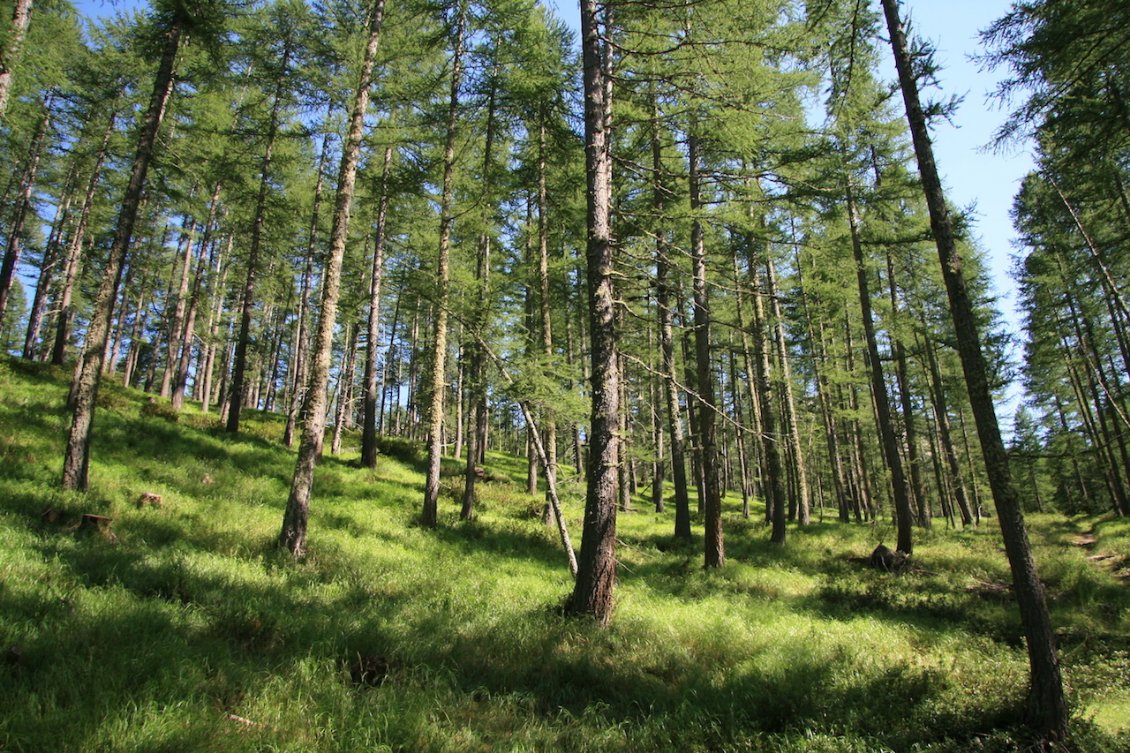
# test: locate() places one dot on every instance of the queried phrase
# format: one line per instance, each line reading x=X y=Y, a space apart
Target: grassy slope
x=391 y=637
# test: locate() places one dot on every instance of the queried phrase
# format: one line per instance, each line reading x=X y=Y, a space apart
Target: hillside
x=183 y=628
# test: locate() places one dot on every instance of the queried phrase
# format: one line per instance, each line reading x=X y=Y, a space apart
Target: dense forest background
x=690 y=256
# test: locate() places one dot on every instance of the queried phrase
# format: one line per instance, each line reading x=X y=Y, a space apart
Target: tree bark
x=23 y=206
x=243 y=343
x=1047 y=709
x=188 y=333
x=663 y=296
x=715 y=554
x=373 y=331
x=792 y=423
x=74 y=252
x=21 y=18
x=596 y=574
x=296 y=518
x=437 y=386
x=76 y=461
x=903 y=516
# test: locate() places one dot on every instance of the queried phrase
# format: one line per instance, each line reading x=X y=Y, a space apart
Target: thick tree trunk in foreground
x=293 y=533
x=1047 y=709
x=21 y=17
x=596 y=575
x=76 y=461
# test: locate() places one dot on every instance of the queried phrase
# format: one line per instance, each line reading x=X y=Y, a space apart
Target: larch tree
x=295 y=519
x=174 y=23
x=596 y=576
x=1047 y=707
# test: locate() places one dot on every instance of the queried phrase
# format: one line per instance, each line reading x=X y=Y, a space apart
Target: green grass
x=192 y=632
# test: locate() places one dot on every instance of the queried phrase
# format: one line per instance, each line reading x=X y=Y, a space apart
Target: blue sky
x=974 y=174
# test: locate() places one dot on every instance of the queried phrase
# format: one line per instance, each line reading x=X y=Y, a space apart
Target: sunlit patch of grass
x=192 y=631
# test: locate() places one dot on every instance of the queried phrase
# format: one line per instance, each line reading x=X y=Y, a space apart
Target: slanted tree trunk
x=942 y=421
x=74 y=252
x=17 y=30
x=596 y=574
x=437 y=387
x=295 y=519
x=1047 y=709
x=23 y=206
x=48 y=266
x=76 y=461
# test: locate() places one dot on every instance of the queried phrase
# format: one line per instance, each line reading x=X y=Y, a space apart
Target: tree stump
x=99 y=524
x=51 y=515
x=886 y=560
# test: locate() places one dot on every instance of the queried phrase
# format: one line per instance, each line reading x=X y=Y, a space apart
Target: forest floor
x=183 y=628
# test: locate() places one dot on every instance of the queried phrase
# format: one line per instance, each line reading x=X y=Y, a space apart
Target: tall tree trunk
x=373 y=331
x=437 y=385
x=549 y=423
x=792 y=423
x=477 y=375
x=902 y=374
x=23 y=206
x=243 y=343
x=715 y=554
x=76 y=461
x=301 y=347
x=345 y=388
x=903 y=516
x=74 y=252
x=295 y=519
x=831 y=431
x=774 y=482
x=663 y=299
x=188 y=333
x=215 y=318
x=1047 y=709
x=596 y=574
x=21 y=17
x=176 y=323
